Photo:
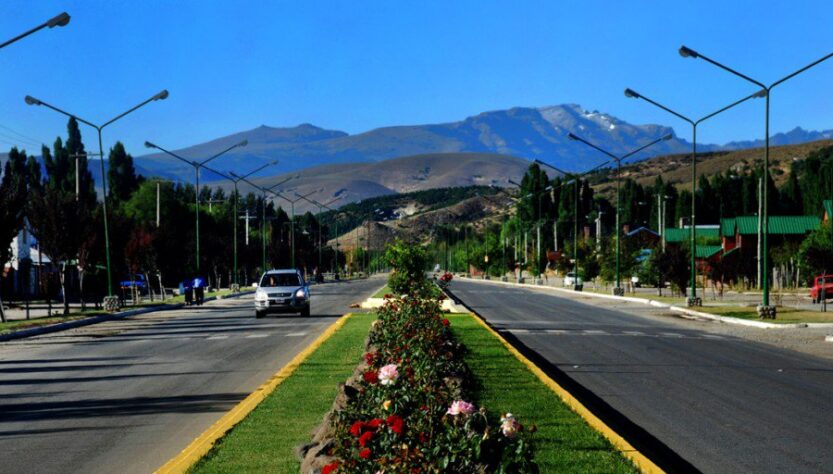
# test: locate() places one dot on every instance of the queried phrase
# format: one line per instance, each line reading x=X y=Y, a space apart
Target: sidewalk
x=96 y=317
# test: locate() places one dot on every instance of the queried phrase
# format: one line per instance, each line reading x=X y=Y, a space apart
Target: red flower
x=330 y=468
x=396 y=423
x=423 y=438
x=365 y=438
x=446 y=322
x=370 y=357
x=365 y=453
x=371 y=376
x=388 y=296
x=357 y=428
x=374 y=423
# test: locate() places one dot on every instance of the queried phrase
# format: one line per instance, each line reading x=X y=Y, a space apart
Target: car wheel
x=305 y=312
x=259 y=314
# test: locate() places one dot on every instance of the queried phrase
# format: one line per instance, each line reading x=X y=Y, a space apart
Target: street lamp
x=60 y=20
x=110 y=302
x=197 y=165
x=575 y=179
x=618 y=290
x=693 y=300
x=318 y=218
x=765 y=310
x=231 y=176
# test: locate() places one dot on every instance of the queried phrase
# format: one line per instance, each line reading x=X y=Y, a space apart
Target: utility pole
x=157 y=203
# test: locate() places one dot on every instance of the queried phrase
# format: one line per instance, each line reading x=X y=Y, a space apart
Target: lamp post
x=575 y=179
x=693 y=300
x=318 y=216
x=618 y=290
x=60 y=20
x=765 y=310
x=235 y=179
x=160 y=96
x=197 y=165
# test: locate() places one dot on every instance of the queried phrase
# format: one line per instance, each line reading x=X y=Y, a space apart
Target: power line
x=22 y=135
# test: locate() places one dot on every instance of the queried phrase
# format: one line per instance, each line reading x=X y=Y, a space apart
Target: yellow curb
x=204 y=442
x=642 y=462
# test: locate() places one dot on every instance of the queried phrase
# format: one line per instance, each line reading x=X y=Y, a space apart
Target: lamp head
x=632 y=94
x=243 y=143
x=60 y=20
x=150 y=145
x=161 y=96
x=760 y=94
x=271 y=163
x=571 y=136
x=687 y=52
x=668 y=137
x=32 y=101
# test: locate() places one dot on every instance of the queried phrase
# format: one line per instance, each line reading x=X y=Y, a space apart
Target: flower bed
x=405 y=408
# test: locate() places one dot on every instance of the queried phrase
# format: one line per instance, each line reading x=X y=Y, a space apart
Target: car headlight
x=300 y=294
x=261 y=296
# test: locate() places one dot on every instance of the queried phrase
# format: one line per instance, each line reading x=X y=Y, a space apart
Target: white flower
x=388 y=374
x=509 y=426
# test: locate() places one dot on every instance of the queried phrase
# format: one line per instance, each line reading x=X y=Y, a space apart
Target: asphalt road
x=696 y=400
x=125 y=396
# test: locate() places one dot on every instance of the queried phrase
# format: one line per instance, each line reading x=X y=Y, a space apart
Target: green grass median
x=264 y=441
x=564 y=442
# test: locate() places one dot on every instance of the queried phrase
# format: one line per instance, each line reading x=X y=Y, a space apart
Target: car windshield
x=280 y=279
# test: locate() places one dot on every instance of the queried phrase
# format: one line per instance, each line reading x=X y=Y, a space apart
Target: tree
x=13 y=191
x=58 y=222
x=140 y=256
x=816 y=252
x=121 y=177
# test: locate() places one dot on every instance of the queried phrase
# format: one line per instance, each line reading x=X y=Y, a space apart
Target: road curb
x=37 y=331
x=204 y=442
x=642 y=462
x=659 y=304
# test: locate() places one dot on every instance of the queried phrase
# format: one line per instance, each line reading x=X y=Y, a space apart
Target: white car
x=570 y=279
x=282 y=291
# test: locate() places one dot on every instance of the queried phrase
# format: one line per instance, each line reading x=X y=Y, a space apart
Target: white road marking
x=712 y=336
x=214 y=338
x=633 y=333
x=594 y=331
x=671 y=334
x=519 y=331
x=252 y=336
x=296 y=334
x=555 y=331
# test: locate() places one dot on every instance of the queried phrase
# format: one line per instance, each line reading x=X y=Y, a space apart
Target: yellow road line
x=642 y=462
x=204 y=442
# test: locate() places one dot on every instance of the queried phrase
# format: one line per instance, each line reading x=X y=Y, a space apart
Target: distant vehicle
x=815 y=290
x=138 y=281
x=282 y=291
x=570 y=279
x=635 y=282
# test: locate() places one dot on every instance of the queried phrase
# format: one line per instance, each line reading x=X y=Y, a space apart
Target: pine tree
x=121 y=177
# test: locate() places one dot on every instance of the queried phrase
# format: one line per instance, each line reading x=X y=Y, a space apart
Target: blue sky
x=353 y=66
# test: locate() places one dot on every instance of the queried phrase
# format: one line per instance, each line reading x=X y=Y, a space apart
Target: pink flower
x=460 y=407
x=388 y=374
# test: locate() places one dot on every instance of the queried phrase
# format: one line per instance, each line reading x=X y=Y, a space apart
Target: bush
x=408 y=264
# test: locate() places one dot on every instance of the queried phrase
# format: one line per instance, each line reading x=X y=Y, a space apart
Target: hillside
x=677 y=168
x=476 y=211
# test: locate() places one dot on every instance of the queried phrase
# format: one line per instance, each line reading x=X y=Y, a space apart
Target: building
x=21 y=273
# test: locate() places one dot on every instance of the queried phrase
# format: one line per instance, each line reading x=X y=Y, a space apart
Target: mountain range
x=357 y=164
